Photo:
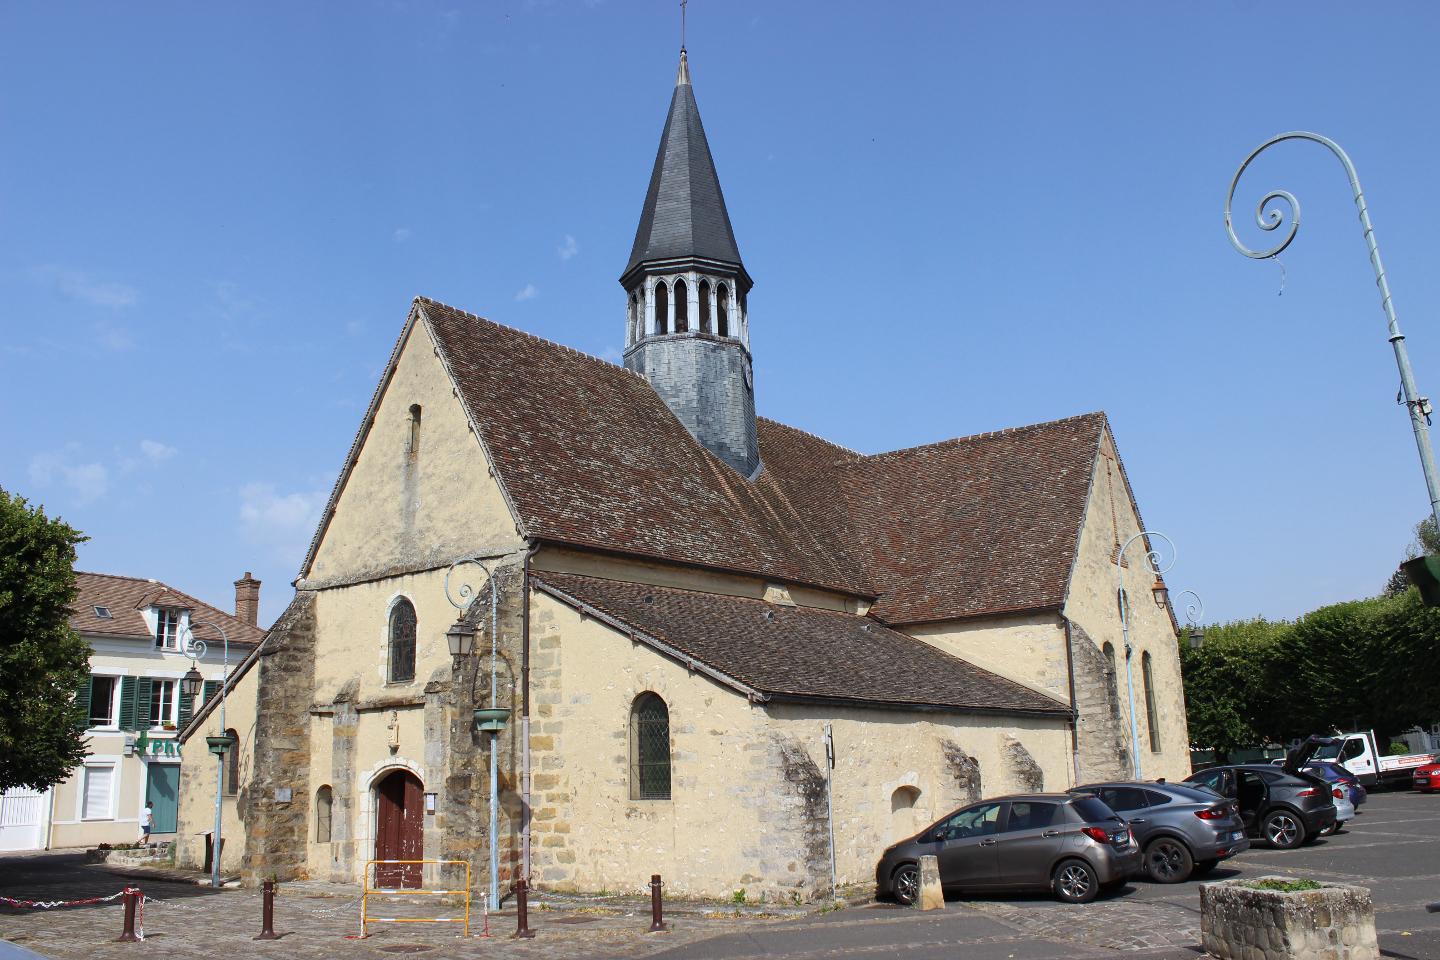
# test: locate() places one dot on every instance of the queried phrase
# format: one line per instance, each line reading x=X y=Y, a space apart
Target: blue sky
x=960 y=217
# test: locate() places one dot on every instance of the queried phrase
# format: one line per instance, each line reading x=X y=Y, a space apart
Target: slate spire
x=687 y=322
x=684 y=213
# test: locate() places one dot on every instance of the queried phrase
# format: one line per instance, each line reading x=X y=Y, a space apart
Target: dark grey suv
x=1284 y=805
x=1182 y=830
x=1071 y=845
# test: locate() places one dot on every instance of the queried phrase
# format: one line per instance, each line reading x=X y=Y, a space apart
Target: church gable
x=417 y=490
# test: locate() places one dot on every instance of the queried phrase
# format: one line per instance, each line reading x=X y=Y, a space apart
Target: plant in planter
x=1284 y=918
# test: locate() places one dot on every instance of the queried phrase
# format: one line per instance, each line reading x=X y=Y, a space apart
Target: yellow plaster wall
x=395 y=514
x=1027 y=648
x=1091 y=604
x=731 y=821
x=197 y=780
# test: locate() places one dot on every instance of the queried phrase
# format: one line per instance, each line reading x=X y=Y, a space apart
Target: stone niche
x=1239 y=922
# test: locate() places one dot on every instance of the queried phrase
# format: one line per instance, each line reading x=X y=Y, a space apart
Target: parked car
x=1361 y=755
x=1284 y=805
x=1426 y=779
x=1182 y=830
x=1337 y=775
x=1071 y=845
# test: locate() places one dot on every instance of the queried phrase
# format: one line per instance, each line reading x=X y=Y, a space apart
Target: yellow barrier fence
x=366 y=919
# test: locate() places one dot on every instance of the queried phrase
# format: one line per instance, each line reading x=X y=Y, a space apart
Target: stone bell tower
x=687 y=328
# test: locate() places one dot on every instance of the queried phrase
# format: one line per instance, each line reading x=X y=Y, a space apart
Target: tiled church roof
x=589 y=455
x=783 y=652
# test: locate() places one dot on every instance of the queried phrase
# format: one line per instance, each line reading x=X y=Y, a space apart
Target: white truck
x=1359 y=753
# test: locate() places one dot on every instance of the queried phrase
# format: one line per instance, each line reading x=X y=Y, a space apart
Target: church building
x=700 y=642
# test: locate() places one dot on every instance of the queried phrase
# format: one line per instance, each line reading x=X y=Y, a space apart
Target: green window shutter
x=127 y=704
x=212 y=687
x=82 y=704
x=186 y=706
x=142 y=703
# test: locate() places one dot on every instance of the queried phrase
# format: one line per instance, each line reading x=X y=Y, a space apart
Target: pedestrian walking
x=147 y=817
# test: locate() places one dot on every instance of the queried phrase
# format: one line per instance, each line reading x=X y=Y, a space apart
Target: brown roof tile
x=798 y=652
x=125 y=597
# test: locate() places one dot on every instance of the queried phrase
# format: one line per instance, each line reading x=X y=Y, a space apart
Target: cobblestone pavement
x=1393 y=848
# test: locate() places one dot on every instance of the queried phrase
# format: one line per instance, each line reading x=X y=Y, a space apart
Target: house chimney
x=247 y=600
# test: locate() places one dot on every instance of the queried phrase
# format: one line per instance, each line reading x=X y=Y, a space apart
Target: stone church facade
x=685 y=598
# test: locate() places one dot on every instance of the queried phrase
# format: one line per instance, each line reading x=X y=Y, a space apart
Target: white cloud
x=88 y=481
x=157 y=452
x=75 y=285
x=527 y=292
x=284 y=522
x=567 y=249
x=401 y=234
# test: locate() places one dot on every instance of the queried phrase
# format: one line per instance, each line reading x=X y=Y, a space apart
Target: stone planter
x=1335 y=922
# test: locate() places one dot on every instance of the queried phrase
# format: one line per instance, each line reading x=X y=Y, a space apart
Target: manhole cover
x=572 y=919
x=407 y=948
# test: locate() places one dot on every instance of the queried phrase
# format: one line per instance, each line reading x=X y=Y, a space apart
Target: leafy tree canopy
x=42 y=661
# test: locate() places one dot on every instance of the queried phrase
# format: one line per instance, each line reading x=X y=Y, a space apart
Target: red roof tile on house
x=125 y=597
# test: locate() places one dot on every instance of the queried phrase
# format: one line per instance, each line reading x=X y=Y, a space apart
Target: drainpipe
x=525 y=715
x=1074 y=710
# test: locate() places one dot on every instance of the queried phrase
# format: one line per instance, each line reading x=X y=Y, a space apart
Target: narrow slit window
x=722 y=311
x=324 y=806
x=1152 y=719
x=402 y=642
x=704 y=306
x=413 y=450
x=232 y=764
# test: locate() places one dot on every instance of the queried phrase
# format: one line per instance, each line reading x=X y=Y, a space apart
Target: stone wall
x=1103 y=740
x=1335 y=922
x=276 y=828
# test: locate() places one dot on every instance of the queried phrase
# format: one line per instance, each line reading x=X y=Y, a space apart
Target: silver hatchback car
x=1071 y=845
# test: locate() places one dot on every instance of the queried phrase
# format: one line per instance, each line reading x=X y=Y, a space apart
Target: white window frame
x=80 y=812
x=167 y=617
x=114 y=723
x=170 y=716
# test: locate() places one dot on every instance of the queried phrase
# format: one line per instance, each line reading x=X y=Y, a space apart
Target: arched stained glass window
x=402 y=641
x=649 y=748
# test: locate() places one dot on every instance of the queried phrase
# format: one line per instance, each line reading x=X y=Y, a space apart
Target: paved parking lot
x=1393 y=848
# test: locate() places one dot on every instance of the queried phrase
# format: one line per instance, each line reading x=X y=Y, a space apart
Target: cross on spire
x=682 y=24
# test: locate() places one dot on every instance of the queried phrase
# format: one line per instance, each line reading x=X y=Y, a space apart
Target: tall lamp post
x=1418 y=406
x=1155 y=563
x=191 y=685
x=491 y=720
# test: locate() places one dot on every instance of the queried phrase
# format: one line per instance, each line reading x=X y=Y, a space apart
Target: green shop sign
x=155 y=748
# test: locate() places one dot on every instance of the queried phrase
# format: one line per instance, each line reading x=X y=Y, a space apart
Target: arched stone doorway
x=902 y=813
x=399 y=829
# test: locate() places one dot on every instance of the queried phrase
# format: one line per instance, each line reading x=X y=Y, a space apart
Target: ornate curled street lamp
x=191 y=685
x=1155 y=563
x=1271 y=219
x=492 y=719
x=1194 y=610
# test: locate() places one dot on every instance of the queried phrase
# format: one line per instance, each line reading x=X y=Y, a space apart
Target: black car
x=1284 y=805
x=1182 y=829
x=1073 y=846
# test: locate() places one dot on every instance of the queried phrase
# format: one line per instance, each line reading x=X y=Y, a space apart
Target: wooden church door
x=399 y=829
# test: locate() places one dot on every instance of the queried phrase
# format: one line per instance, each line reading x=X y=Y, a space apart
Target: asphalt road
x=1393 y=848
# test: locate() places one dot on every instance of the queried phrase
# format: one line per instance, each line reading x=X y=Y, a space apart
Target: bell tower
x=687 y=323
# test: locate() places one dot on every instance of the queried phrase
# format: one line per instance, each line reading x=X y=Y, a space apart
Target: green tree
x=42 y=661
x=1230 y=698
x=1427 y=541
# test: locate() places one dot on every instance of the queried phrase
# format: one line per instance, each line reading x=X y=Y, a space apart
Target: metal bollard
x=128 y=934
x=267 y=913
x=522 y=911
x=657 y=919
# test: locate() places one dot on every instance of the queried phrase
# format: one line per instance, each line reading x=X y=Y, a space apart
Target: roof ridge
x=812 y=436
x=524 y=333
x=990 y=434
x=118 y=576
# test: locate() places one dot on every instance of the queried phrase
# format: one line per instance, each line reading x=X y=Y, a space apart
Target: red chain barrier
x=52 y=904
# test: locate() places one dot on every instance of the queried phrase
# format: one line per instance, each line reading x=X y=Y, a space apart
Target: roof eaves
x=1059 y=710
x=688 y=661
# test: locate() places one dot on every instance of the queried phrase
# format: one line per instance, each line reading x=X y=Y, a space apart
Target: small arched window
x=634 y=319
x=1109 y=651
x=704 y=306
x=662 y=308
x=1152 y=720
x=649 y=748
x=722 y=311
x=682 y=307
x=232 y=764
x=324 y=806
x=402 y=641
x=413 y=451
